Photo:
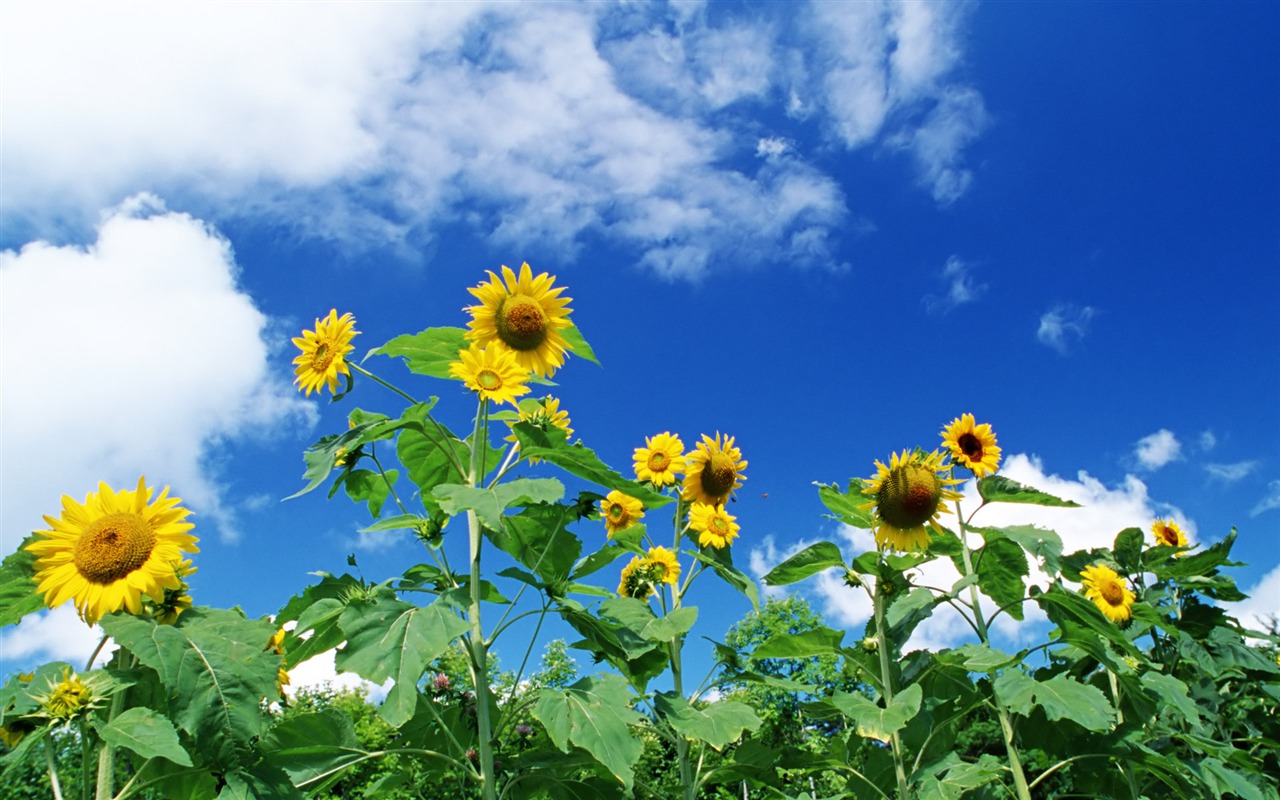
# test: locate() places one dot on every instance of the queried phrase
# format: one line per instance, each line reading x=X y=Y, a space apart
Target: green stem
x=53 y=770
x=479 y=649
x=886 y=689
x=376 y=379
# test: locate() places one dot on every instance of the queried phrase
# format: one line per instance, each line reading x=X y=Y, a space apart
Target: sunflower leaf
x=146 y=733
x=1061 y=697
x=429 y=352
x=578 y=345
x=18 y=595
x=594 y=714
x=873 y=722
x=552 y=446
x=999 y=489
x=718 y=724
x=810 y=561
x=845 y=506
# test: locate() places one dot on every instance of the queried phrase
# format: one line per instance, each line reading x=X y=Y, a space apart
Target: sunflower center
x=113 y=547
x=1170 y=538
x=718 y=475
x=720 y=525
x=1112 y=592
x=617 y=513
x=970 y=446
x=322 y=357
x=909 y=496
x=521 y=323
x=489 y=380
x=658 y=461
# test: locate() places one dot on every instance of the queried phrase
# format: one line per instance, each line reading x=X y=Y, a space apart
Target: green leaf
x=312 y=747
x=550 y=445
x=392 y=639
x=538 y=538
x=718 y=724
x=18 y=595
x=1001 y=566
x=672 y=626
x=1128 y=549
x=722 y=562
x=1205 y=562
x=429 y=464
x=489 y=504
x=399 y=522
x=1173 y=695
x=980 y=657
x=905 y=613
x=594 y=714
x=1061 y=697
x=999 y=489
x=364 y=485
x=1044 y=545
x=262 y=782
x=814 y=642
x=320 y=457
x=1081 y=623
x=809 y=561
x=873 y=722
x=578 y=345
x=146 y=733
x=427 y=353
x=844 y=506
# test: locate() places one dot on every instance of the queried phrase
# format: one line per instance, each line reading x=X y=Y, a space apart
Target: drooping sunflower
x=660 y=460
x=909 y=494
x=714 y=471
x=1108 y=592
x=525 y=313
x=620 y=511
x=634 y=580
x=663 y=566
x=167 y=610
x=715 y=526
x=1169 y=533
x=544 y=413
x=491 y=371
x=972 y=445
x=108 y=552
x=324 y=353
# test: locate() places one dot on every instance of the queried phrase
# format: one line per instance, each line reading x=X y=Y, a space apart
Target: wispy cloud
x=1208 y=441
x=1157 y=449
x=1270 y=501
x=961 y=287
x=1064 y=325
x=1230 y=473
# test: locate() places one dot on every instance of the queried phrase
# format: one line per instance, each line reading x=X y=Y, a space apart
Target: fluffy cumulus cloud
x=534 y=123
x=127 y=357
x=1157 y=449
x=1104 y=511
x=1064 y=325
x=1262 y=608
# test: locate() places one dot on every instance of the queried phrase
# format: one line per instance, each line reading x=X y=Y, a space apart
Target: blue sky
x=826 y=229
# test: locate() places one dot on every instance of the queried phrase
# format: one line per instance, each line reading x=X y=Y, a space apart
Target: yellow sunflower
x=634 y=581
x=492 y=371
x=544 y=413
x=660 y=460
x=276 y=645
x=663 y=566
x=715 y=526
x=175 y=601
x=972 y=445
x=714 y=471
x=1169 y=533
x=1108 y=592
x=620 y=511
x=109 y=551
x=909 y=494
x=525 y=313
x=70 y=696
x=324 y=353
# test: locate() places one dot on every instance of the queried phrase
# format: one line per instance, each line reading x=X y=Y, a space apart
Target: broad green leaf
x=873 y=722
x=320 y=458
x=606 y=555
x=214 y=665
x=426 y=457
x=952 y=779
x=809 y=561
x=18 y=596
x=905 y=613
x=399 y=522
x=999 y=489
x=722 y=562
x=979 y=657
x=844 y=506
x=1061 y=697
x=1128 y=549
x=262 y=782
x=538 y=538
x=1225 y=781
x=392 y=639
x=1204 y=562
x=578 y=345
x=366 y=486
x=594 y=714
x=313 y=747
x=550 y=446
x=427 y=353
x=146 y=733
x=672 y=626
x=1044 y=545
x=718 y=724
x=1173 y=695
x=489 y=504
x=1081 y=623
x=814 y=642
x=322 y=619
x=1001 y=566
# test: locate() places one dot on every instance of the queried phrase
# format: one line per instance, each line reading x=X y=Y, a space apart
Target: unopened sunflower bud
x=871 y=643
x=852 y=579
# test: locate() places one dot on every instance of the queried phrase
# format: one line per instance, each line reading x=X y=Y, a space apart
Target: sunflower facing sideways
x=106 y=553
x=972 y=445
x=1169 y=533
x=1107 y=590
x=324 y=353
x=909 y=494
x=714 y=471
x=524 y=313
x=660 y=460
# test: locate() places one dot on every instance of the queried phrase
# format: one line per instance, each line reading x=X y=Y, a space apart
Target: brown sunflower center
x=658 y=461
x=521 y=322
x=489 y=380
x=1169 y=536
x=113 y=547
x=322 y=357
x=909 y=496
x=971 y=446
x=719 y=475
x=1112 y=592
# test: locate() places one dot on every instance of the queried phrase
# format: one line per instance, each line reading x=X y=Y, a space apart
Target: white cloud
x=1063 y=325
x=1230 y=473
x=55 y=635
x=129 y=357
x=320 y=671
x=961 y=287
x=1263 y=603
x=1208 y=441
x=1270 y=501
x=1157 y=449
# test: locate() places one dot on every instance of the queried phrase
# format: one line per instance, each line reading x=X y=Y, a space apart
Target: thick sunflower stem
x=479 y=650
x=887 y=691
x=687 y=787
x=105 y=784
x=980 y=622
x=53 y=771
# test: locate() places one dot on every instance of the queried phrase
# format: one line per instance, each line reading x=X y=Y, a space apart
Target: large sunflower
x=109 y=551
x=1108 y=592
x=972 y=445
x=714 y=471
x=324 y=352
x=525 y=313
x=909 y=494
x=715 y=526
x=492 y=371
x=660 y=460
x=1169 y=533
x=620 y=511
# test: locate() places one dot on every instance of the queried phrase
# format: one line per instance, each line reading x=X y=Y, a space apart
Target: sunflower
x=1106 y=589
x=109 y=551
x=715 y=526
x=175 y=601
x=634 y=581
x=324 y=352
x=663 y=566
x=660 y=460
x=715 y=470
x=620 y=511
x=526 y=314
x=70 y=696
x=1169 y=533
x=276 y=645
x=972 y=445
x=544 y=413
x=492 y=371
x=909 y=495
